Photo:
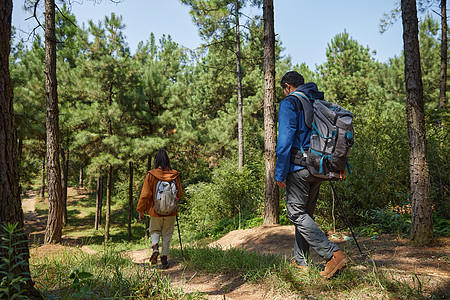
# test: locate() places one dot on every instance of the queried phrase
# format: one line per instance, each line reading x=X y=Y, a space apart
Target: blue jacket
x=292 y=130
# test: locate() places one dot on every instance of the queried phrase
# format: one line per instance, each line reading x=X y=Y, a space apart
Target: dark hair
x=162 y=160
x=293 y=78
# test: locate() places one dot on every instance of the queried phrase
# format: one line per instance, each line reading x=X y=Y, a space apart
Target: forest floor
x=388 y=252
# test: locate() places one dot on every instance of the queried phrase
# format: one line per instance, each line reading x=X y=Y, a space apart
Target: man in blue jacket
x=302 y=188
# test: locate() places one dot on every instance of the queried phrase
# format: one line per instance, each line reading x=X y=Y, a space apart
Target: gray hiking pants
x=302 y=190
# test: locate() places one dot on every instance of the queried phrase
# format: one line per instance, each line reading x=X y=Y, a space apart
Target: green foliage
x=80 y=284
x=379 y=163
x=12 y=279
x=117 y=107
x=441 y=226
x=438 y=143
x=386 y=221
x=350 y=72
x=230 y=194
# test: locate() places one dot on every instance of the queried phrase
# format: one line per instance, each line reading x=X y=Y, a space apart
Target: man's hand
x=141 y=214
x=281 y=184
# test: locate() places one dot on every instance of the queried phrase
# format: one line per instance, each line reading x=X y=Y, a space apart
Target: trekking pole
x=346 y=219
x=179 y=236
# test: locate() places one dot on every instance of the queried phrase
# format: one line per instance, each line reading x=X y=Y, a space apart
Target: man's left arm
x=287 y=127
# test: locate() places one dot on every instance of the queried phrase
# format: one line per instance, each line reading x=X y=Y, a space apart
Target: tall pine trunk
x=10 y=203
x=99 y=200
x=108 y=180
x=43 y=178
x=108 y=202
x=443 y=77
x=271 y=202
x=81 y=177
x=130 y=200
x=421 y=210
x=239 y=89
x=53 y=231
x=64 y=180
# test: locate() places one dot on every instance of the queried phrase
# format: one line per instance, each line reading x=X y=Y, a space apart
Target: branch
x=64 y=16
x=36 y=18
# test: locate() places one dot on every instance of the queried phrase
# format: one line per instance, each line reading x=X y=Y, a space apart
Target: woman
x=160 y=225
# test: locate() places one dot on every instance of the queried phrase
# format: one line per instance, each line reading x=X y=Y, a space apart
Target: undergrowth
x=72 y=274
x=358 y=281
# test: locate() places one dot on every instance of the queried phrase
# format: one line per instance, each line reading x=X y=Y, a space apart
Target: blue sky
x=304 y=27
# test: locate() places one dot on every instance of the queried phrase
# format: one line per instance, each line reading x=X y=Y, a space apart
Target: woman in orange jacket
x=160 y=225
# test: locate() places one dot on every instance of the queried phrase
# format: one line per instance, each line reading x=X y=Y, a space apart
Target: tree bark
x=443 y=77
x=239 y=90
x=130 y=200
x=421 y=210
x=10 y=202
x=43 y=178
x=99 y=200
x=271 y=202
x=149 y=163
x=53 y=231
x=64 y=180
x=108 y=203
x=81 y=178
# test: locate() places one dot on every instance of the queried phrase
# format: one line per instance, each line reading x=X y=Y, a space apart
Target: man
x=302 y=188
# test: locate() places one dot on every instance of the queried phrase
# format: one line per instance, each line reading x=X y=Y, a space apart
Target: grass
x=364 y=281
x=72 y=274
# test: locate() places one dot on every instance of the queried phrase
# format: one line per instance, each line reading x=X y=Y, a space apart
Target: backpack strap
x=307 y=107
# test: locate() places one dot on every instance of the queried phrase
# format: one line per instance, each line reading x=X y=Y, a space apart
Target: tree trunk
x=443 y=79
x=64 y=179
x=108 y=203
x=149 y=163
x=10 y=202
x=43 y=178
x=239 y=90
x=99 y=200
x=421 y=210
x=53 y=231
x=81 y=178
x=130 y=200
x=19 y=159
x=271 y=202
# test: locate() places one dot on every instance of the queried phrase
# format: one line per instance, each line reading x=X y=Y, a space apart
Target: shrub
x=230 y=194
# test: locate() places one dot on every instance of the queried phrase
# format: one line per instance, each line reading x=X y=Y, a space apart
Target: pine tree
x=421 y=210
x=271 y=207
x=10 y=202
x=53 y=231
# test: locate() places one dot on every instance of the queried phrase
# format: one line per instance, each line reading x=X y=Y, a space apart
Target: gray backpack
x=165 y=197
x=331 y=138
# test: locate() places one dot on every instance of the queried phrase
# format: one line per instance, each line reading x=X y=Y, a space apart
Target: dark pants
x=302 y=190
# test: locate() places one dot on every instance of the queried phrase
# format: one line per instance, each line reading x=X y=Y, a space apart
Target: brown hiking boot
x=302 y=269
x=336 y=263
x=154 y=257
x=164 y=262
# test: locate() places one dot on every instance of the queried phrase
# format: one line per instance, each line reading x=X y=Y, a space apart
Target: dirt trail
x=431 y=264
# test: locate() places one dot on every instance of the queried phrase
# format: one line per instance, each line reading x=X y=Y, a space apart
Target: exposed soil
x=430 y=264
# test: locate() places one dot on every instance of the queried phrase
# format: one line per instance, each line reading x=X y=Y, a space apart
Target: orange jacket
x=147 y=199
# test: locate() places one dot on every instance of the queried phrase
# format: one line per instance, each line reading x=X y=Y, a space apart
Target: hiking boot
x=154 y=257
x=302 y=269
x=164 y=262
x=334 y=264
